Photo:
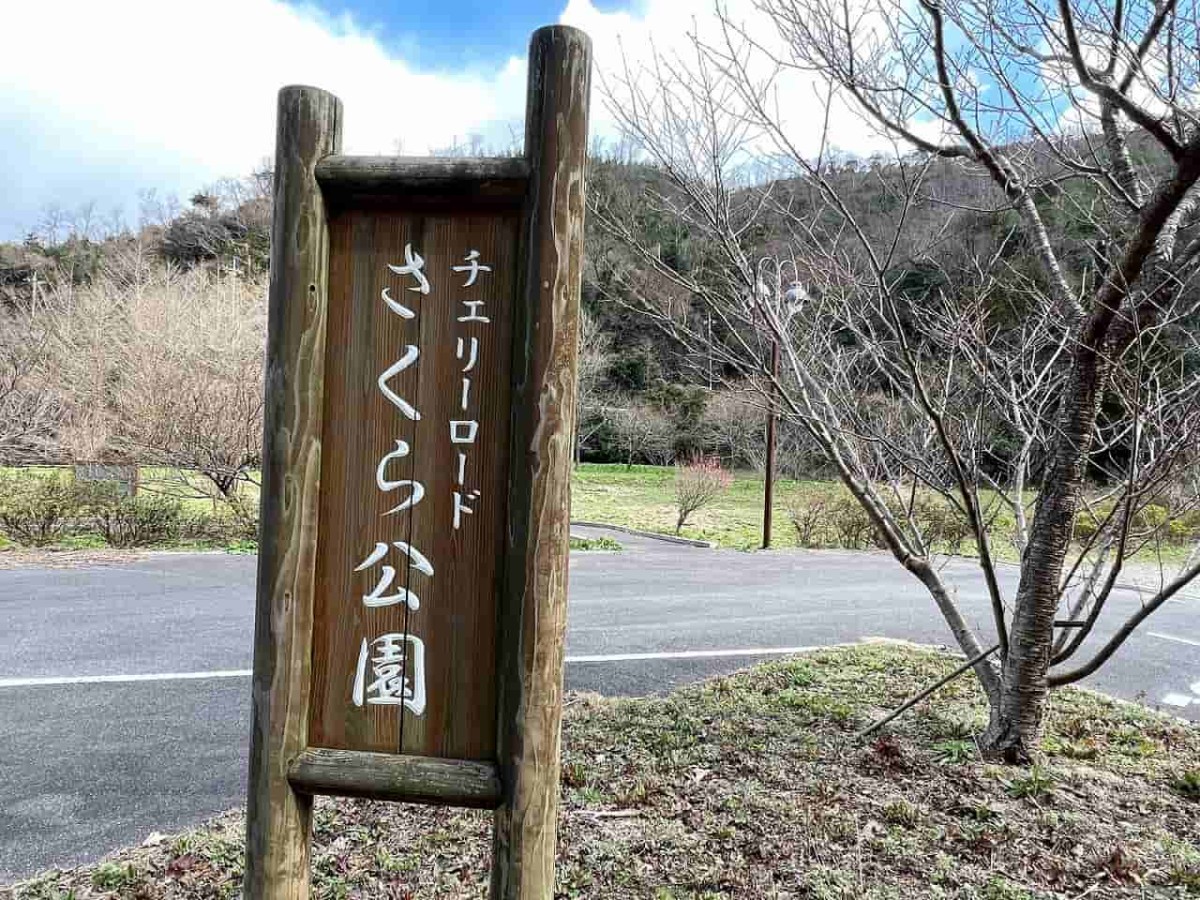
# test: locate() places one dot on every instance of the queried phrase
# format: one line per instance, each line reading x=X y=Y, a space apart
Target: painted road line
x=245 y=673
x=1175 y=638
x=122 y=679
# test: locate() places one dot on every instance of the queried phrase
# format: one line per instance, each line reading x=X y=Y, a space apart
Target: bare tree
x=30 y=412
x=594 y=359
x=1014 y=316
x=191 y=395
x=698 y=483
x=162 y=367
x=735 y=423
x=642 y=430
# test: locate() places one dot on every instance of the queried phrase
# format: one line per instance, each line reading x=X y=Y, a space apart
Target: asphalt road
x=94 y=755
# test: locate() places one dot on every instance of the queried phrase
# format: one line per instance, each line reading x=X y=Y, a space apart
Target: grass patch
x=643 y=497
x=747 y=786
x=640 y=497
x=600 y=543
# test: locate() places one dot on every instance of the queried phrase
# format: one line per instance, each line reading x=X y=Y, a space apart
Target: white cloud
x=99 y=101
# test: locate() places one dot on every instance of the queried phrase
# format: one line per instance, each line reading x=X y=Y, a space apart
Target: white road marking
x=122 y=679
x=245 y=673
x=1177 y=699
x=1175 y=638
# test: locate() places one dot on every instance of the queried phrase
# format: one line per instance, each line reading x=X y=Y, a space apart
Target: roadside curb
x=653 y=535
x=1133 y=586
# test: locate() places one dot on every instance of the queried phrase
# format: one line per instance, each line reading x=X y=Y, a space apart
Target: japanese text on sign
x=391 y=666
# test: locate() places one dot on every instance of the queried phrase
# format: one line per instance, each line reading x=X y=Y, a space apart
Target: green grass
x=644 y=497
x=195 y=491
x=641 y=497
x=750 y=787
x=600 y=543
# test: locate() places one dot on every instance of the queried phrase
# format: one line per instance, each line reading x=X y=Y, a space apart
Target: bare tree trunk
x=1016 y=720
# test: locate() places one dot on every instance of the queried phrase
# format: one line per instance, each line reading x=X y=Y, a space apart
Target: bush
x=849 y=524
x=697 y=484
x=37 y=510
x=243 y=517
x=836 y=519
x=1157 y=521
x=233 y=523
x=138 y=521
x=941 y=525
x=809 y=515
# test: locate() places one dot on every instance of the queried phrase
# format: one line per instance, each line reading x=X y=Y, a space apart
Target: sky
x=103 y=103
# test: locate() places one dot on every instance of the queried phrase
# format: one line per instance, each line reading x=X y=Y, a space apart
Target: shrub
x=1037 y=783
x=139 y=521
x=697 y=484
x=941 y=524
x=851 y=527
x=37 y=510
x=809 y=515
x=1159 y=521
x=243 y=517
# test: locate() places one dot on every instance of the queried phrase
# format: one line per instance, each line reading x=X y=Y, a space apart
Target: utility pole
x=772 y=416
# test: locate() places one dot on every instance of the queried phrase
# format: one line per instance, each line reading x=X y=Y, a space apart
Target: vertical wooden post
x=546 y=342
x=772 y=440
x=277 y=818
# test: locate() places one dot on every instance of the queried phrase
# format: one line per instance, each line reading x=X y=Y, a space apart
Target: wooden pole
x=772 y=421
x=278 y=818
x=545 y=350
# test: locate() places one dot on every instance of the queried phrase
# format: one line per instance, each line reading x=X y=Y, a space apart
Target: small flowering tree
x=697 y=484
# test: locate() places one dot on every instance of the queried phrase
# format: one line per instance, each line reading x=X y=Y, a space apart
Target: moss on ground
x=749 y=786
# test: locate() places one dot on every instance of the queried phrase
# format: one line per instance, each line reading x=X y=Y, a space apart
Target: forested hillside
x=146 y=342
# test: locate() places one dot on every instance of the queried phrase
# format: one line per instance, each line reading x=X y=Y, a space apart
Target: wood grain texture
x=278 y=818
x=384 y=776
x=545 y=350
x=456 y=618
x=392 y=176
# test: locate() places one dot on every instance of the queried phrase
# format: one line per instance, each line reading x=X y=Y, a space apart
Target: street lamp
x=791 y=296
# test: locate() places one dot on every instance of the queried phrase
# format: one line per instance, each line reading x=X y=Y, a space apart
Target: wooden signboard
x=420 y=417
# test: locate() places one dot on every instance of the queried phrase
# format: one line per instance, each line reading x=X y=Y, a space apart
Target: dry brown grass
x=748 y=786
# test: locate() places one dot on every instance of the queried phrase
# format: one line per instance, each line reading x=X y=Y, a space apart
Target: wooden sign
x=420 y=418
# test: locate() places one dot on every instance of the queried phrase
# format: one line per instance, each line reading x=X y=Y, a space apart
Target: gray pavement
x=87 y=766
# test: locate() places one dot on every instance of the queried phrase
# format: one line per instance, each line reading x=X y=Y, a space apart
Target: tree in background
x=736 y=426
x=163 y=367
x=30 y=409
x=1001 y=313
x=594 y=359
x=191 y=394
x=642 y=431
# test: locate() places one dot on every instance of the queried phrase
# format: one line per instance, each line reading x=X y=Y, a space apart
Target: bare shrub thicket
x=143 y=521
x=31 y=409
x=642 y=431
x=698 y=484
x=736 y=429
x=1008 y=323
x=595 y=355
x=38 y=510
x=163 y=367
